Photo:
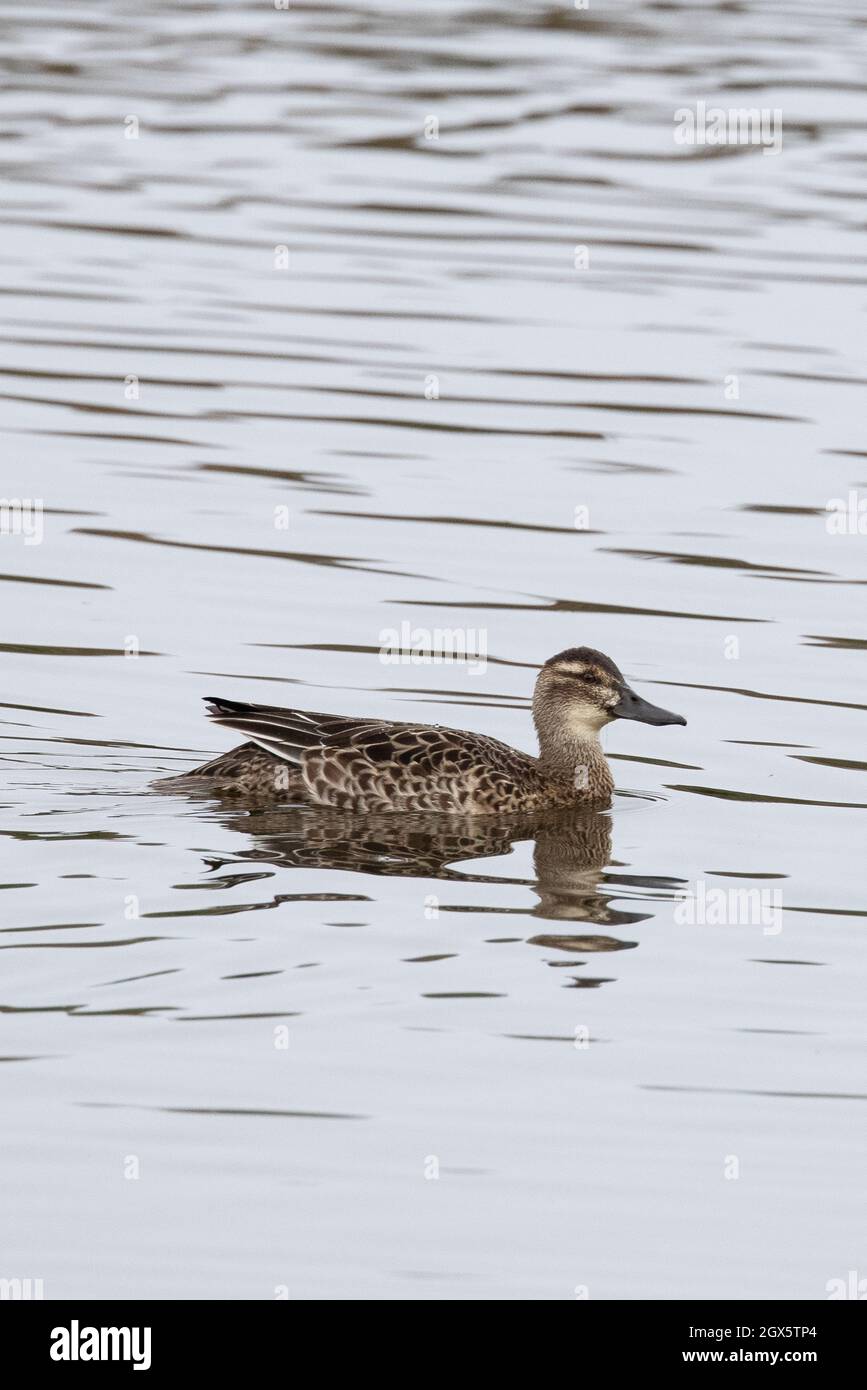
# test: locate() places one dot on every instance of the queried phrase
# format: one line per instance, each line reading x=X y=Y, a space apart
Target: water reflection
x=572 y=852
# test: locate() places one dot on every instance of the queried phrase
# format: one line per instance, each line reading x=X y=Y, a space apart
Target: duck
x=372 y=765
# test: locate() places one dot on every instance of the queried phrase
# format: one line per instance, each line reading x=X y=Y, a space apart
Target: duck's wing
x=287 y=733
x=381 y=764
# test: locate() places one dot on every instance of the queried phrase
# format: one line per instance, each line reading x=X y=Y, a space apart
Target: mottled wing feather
x=414 y=768
x=373 y=764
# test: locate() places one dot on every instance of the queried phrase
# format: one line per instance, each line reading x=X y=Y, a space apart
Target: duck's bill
x=631 y=706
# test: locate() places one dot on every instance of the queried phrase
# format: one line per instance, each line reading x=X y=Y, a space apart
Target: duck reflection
x=571 y=856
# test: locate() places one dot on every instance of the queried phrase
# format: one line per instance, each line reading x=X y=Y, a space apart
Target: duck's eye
x=590 y=677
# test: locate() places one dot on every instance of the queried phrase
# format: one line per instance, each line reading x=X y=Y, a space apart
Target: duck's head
x=580 y=691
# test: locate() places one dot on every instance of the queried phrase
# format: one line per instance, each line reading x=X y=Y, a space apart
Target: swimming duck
x=379 y=765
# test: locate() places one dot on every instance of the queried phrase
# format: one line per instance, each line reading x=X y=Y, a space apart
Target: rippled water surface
x=238 y=1045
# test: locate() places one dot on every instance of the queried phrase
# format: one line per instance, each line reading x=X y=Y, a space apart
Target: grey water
x=327 y=322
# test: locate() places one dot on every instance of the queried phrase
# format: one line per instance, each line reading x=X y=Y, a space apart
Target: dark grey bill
x=631 y=706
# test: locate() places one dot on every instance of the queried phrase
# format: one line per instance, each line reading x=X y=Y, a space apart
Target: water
x=238 y=1046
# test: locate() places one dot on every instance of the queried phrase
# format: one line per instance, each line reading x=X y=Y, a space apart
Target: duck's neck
x=572 y=754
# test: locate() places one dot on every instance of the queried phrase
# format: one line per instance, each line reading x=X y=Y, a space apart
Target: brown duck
x=379 y=765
